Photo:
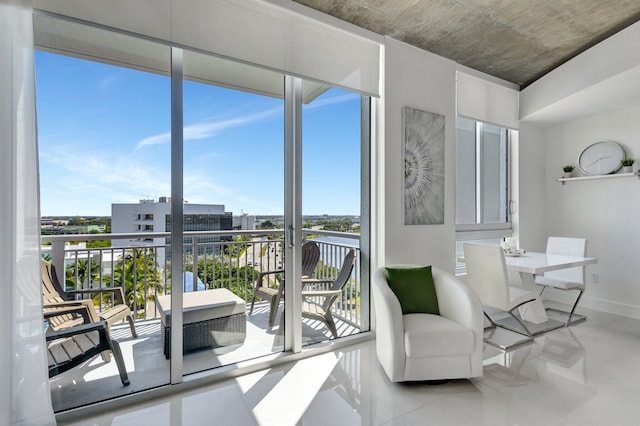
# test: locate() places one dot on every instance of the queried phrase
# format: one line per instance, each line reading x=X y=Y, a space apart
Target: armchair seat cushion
x=427 y=335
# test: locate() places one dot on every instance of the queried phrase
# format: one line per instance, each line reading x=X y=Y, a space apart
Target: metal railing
x=140 y=263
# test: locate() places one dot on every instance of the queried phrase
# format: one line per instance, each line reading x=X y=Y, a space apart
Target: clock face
x=601 y=158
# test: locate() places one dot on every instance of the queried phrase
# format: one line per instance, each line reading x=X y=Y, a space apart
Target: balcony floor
x=148 y=368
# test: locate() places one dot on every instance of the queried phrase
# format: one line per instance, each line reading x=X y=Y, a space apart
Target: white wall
x=601 y=79
x=593 y=97
x=604 y=211
x=425 y=81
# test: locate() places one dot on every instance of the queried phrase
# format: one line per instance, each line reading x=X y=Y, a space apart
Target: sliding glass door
x=233 y=210
x=210 y=179
x=105 y=158
x=332 y=205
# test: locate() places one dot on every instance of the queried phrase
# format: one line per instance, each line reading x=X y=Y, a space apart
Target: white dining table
x=531 y=264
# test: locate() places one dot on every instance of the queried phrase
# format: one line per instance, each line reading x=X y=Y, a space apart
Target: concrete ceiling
x=516 y=40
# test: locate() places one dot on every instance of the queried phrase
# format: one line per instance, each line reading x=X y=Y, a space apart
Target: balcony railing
x=140 y=263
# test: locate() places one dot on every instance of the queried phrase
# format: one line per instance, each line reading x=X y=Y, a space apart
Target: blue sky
x=104 y=137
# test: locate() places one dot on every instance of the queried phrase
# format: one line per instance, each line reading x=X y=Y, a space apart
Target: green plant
x=627 y=162
x=568 y=168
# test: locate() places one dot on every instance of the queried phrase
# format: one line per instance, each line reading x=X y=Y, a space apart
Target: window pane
x=465 y=171
x=494 y=174
x=331 y=201
x=103 y=145
x=233 y=172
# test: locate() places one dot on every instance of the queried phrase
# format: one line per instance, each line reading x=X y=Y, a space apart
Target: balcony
x=225 y=259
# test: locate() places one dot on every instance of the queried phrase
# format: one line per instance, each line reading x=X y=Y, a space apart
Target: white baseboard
x=617 y=308
x=622 y=309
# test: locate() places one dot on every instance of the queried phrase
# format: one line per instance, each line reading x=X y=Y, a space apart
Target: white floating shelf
x=616 y=175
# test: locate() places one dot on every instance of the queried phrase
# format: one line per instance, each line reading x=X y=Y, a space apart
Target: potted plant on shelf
x=568 y=169
x=627 y=165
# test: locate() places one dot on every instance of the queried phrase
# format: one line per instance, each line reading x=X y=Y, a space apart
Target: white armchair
x=424 y=346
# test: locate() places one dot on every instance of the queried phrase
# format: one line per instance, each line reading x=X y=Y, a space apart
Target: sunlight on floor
x=304 y=380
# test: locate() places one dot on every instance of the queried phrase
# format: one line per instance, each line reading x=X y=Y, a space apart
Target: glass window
x=482 y=183
x=94 y=114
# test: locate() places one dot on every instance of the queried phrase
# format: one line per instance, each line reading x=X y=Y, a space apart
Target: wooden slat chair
x=75 y=345
x=262 y=289
x=54 y=298
x=316 y=304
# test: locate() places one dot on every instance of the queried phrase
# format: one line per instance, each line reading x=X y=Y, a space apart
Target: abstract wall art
x=423 y=167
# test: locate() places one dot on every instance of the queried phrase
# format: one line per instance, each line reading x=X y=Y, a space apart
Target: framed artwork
x=423 y=167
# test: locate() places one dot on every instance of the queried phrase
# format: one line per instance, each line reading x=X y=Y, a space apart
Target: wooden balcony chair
x=54 y=297
x=70 y=347
x=263 y=289
x=316 y=304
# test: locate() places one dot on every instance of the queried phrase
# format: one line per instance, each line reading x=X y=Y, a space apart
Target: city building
x=244 y=222
x=150 y=216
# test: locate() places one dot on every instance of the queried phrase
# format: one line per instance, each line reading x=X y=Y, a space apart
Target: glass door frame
x=293 y=213
x=177 y=212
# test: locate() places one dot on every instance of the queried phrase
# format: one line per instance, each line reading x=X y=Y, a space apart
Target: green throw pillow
x=414 y=288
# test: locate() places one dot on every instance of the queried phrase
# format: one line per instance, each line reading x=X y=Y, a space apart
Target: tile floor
x=147 y=366
x=587 y=374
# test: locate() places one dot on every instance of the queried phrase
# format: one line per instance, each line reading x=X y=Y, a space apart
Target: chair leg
x=106 y=355
x=117 y=355
x=493 y=324
x=573 y=309
x=273 y=310
x=132 y=326
x=521 y=322
x=253 y=300
x=331 y=326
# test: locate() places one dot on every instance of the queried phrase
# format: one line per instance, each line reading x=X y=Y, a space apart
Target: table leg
x=532 y=312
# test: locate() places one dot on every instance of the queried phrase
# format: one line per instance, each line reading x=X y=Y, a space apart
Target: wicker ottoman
x=211 y=318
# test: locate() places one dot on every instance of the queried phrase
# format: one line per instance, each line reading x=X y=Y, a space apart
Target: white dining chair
x=487 y=276
x=569 y=278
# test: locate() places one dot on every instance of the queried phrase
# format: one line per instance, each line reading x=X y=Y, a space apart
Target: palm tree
x=139 y=276
x=85 y=271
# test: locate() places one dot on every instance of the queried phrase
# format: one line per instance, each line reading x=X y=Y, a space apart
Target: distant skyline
x=104 y=137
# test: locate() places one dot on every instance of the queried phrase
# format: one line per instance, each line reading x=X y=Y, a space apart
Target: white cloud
x=96 y=175
x=106 y=84
x=155 y=140
x=332 y=100
x=204 y=130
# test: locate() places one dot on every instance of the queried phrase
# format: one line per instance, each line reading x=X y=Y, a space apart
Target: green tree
x=267 y=224
x=98 y=243
x=139 y=276
x=86 y=273
x=217 y=274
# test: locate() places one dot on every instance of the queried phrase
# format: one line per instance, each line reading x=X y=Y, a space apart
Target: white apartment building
x=150 y=216
x=244 y=222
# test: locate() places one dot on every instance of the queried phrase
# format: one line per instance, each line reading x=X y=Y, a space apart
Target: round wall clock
x=601 y=158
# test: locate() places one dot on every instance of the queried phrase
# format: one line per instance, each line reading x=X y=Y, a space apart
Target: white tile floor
x=148 y=368
x=588 y=374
